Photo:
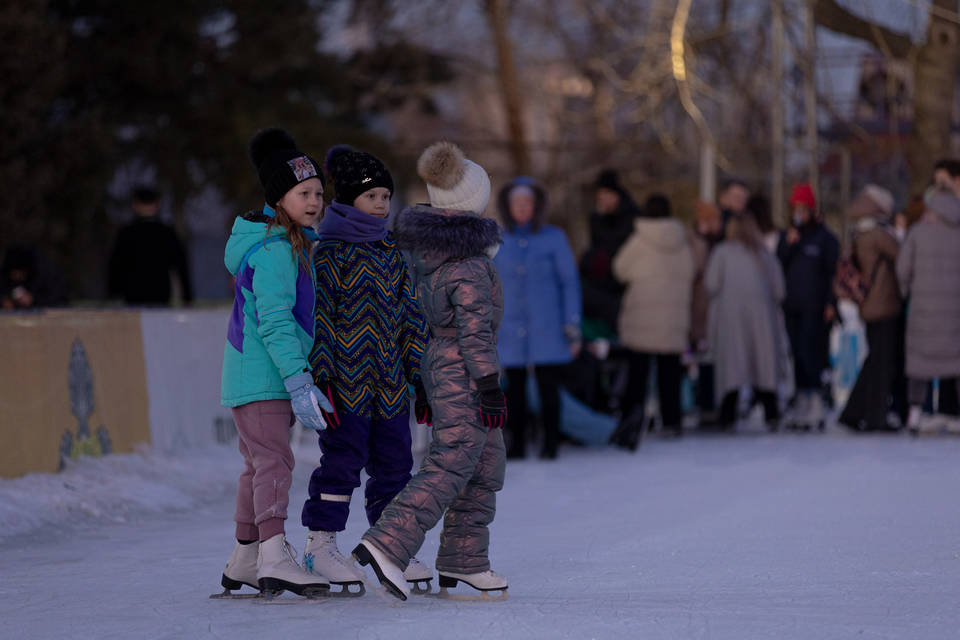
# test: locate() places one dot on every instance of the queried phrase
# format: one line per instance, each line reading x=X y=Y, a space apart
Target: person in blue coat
x=542 y=306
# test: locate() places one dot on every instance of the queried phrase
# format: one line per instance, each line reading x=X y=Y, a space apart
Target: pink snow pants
x=263 y=430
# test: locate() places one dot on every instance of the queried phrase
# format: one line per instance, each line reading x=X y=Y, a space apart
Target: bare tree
x=935 y=62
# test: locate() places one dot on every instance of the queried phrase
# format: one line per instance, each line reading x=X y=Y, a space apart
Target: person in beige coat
x=656 y=264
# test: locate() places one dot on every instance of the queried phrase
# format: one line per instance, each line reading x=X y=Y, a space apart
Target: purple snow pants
x=263 y=430
x=382 y=447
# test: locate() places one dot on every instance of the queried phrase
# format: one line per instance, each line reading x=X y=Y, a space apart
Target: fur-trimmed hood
x=438 y=235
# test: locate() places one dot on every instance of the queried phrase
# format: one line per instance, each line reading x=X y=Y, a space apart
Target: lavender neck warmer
x=343 y=222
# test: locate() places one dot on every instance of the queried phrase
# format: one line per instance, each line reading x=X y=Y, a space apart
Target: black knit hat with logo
x=354 y=172
x=280 y=164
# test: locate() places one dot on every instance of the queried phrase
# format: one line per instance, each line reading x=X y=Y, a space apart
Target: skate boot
x=921 y=423
x=913 y=420
x=419 y=576
x=278 y=571
x=322 y=558
x=818 y=413
x=953 y=425
x=799 y=415
x=389 y=574
x=484 y=581
x=241 y=570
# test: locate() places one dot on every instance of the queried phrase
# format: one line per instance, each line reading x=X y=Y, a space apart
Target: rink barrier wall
x=76 y=382
x=71 y=383
x=183 y=354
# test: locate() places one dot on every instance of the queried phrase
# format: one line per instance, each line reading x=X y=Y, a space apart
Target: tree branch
x=829 y=14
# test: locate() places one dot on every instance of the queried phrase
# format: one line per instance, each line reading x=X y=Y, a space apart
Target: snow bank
x=116 y=488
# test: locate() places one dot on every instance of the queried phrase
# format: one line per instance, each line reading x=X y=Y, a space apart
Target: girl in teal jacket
x=266 y=378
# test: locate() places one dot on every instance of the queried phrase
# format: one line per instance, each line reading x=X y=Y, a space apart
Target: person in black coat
x=611 y=224
x=808 y=252
x=144 y=254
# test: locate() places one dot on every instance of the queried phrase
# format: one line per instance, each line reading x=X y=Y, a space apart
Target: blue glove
x=307 y=402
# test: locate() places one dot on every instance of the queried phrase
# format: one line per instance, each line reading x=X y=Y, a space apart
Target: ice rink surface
x=746 y=536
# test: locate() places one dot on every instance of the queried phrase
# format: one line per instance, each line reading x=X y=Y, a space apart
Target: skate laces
x=290 y=551
x=328 y=543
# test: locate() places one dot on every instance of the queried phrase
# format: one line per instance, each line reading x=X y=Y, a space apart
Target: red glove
x=493 y=402
x=421 y=407
x=333 y=420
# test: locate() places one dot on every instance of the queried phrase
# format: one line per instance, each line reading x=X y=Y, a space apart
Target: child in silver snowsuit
x=462 y=300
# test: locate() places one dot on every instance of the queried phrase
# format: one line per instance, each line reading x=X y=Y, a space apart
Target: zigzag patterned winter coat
x=369 y=333
x=462 y=300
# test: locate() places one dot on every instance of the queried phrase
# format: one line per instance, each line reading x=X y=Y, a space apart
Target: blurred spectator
x=808 y=252
x=928 y=269
x=707 y=233
x=746 y=286
x=732 y=199
x=610 y=226
x=145 y=253
x=912 y=214
x=873 y=252
x=656 y=265
x=29 y=280
x=758 y=207
x=541 y=310
x=946 y=175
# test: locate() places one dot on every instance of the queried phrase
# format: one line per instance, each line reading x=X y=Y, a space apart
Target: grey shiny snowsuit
x=462 y=300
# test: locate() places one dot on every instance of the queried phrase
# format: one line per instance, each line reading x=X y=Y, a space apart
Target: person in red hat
x=808 y=252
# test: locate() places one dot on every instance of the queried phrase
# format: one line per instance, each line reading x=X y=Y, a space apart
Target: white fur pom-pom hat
x=453 y=181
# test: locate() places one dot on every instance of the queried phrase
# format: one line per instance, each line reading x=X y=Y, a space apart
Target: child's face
x=374 y=202
x=304 y=202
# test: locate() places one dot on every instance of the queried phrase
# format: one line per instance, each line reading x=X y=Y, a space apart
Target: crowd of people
x=748 y=308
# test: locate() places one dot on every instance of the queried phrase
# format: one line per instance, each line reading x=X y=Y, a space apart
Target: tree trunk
x=935 y=77
x=934 y=72
x=497 y=18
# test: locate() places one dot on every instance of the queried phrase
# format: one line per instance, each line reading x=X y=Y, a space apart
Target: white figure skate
x=389 y=574
x=485 y=582
x=241 y=570
x=278 y=571
x=321 y=557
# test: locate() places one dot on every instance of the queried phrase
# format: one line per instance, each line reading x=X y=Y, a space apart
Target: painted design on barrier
x=80 y=381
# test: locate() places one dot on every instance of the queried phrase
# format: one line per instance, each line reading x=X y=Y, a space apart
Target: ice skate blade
x=484 y=596
x=346 y=591
x=420 y=587
x=273 y=587
x=277 y=599
x=229 y=595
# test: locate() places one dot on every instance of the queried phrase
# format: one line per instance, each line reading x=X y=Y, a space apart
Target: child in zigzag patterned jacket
x=368 y=340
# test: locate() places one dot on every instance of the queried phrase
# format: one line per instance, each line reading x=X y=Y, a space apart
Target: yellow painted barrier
x=71 y=383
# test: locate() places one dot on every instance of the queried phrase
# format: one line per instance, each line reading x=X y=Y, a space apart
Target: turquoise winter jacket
x=270 y=333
